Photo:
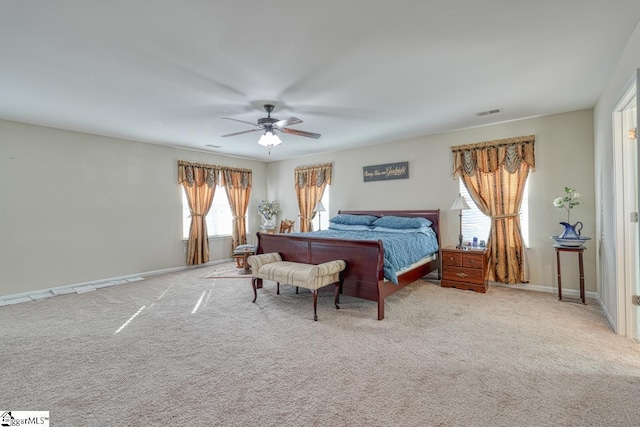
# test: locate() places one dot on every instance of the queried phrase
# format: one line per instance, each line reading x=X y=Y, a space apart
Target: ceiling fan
x=269 y=125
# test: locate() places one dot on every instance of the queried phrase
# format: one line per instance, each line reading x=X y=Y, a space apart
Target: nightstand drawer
x=461 y=274
x=472 y=260
x=452 y=258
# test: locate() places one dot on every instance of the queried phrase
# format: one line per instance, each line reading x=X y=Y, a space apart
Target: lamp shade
x=460 y=203
x=319 y=207
x=269 y=139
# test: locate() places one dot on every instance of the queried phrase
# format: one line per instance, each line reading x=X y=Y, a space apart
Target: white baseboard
x=612 y=324
x=548 y=289
x=94 y=285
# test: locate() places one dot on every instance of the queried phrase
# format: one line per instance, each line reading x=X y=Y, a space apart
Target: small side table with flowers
x=268 y=211
x=570 y=240
x=571 y=236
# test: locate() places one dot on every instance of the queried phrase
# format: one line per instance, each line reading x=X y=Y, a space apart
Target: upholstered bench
x=313 y=277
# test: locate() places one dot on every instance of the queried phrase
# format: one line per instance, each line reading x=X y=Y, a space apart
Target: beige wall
x=564 y=157
x=610 y=288
x=59 y=230
x=79 y=208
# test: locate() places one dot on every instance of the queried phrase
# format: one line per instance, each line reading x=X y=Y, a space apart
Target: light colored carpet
x=224 y=271
x=441 y=357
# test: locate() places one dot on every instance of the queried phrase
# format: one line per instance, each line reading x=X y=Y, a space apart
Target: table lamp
x=319 y=208
x=460 y=204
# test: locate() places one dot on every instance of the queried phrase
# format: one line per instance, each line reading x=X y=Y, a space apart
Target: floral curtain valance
x=317 y=175
x=213 y=175
x=232 y=177
x=489 y=156
x=198 y=174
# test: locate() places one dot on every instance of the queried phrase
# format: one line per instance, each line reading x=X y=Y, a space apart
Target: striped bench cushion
x=294 y=273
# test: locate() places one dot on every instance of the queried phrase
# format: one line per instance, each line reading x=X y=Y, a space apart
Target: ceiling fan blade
x=240 y=133
x=241 y=121
x=287 y=122
x=301 y=133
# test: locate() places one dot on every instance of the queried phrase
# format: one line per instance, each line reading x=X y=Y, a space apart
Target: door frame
x=625 y=259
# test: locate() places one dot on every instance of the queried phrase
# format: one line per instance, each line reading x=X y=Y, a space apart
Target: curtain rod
x=304 y=168
x=496 y=143
x=203 y=165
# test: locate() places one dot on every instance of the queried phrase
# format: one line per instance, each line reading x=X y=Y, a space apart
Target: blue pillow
x=401 y=222
x=349 y=219
x=402 y=230
x=346 y=227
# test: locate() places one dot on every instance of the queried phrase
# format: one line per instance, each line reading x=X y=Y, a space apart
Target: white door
x=630 y=154
x=627 y=229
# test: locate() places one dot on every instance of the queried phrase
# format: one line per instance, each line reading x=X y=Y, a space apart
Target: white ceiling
x=357 y=71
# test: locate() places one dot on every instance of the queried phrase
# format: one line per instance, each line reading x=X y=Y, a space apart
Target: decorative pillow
x=349 y=219
x=401 y=222
x=402 y=230
x=346 y=227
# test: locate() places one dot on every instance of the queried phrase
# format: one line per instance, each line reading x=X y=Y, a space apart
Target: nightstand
x=464 y=269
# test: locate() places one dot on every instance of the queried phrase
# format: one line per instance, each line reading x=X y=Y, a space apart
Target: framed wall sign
x=385 y=172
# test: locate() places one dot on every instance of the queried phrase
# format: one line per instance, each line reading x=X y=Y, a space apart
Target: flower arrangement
x=568 y=202
x=267 y=209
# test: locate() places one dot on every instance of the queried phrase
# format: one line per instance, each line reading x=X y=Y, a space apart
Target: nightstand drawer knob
x=461 y=274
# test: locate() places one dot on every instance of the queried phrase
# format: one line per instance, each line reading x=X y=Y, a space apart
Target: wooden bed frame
x=364 y=276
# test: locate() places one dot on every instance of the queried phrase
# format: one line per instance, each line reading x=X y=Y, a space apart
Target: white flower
x=568 y=202
x=267 y=209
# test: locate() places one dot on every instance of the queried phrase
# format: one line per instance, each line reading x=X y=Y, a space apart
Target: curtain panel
x=495 y=173
x=237 y=182
x=310 y=182
x=199 y=182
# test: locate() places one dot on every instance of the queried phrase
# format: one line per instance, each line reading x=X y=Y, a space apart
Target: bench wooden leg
x=336 y=301
x=255 y=288
x=315 y=304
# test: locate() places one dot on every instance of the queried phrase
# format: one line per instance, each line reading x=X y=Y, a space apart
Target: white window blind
x=219 y=219
x=477 y=224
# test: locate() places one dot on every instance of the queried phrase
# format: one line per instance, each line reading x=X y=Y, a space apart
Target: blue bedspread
x=400 y=249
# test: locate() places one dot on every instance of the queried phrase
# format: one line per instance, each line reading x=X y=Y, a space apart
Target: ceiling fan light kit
x=269 y=139
x=270 y=125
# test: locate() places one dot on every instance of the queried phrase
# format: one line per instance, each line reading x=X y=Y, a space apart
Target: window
x=477 y=224
x=219 y=218
x=323 y=216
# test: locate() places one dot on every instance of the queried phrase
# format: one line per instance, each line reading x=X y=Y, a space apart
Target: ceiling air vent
x=486 y=113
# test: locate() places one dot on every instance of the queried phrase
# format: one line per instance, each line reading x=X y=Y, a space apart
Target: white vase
x=269 y=224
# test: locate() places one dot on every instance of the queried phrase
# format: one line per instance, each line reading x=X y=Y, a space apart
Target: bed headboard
x=432 y=215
